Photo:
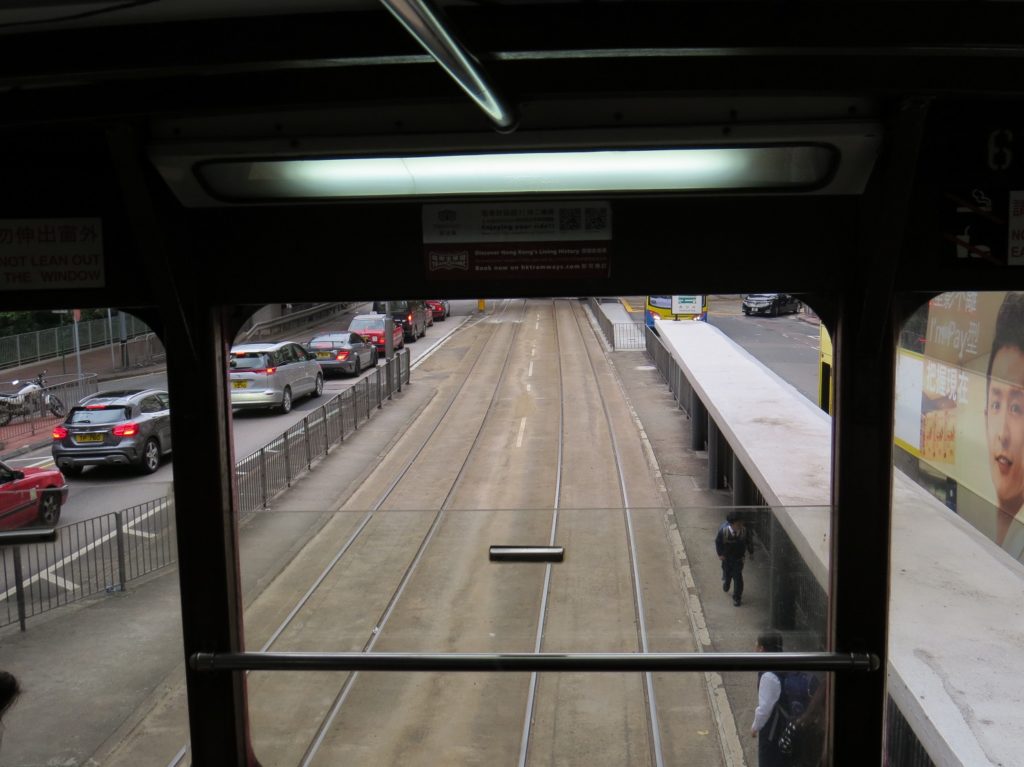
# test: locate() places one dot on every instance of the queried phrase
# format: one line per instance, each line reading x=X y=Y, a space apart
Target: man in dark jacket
x=733 y=543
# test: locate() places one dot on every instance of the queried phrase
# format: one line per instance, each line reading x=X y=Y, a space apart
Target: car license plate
x=79 y=438
x=239 y=384
x=323 y=355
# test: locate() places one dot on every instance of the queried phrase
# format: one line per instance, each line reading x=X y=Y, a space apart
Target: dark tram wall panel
x=726 y=244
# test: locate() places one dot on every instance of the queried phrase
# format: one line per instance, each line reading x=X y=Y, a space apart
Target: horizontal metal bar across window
x=576 y=662
x=27 y=536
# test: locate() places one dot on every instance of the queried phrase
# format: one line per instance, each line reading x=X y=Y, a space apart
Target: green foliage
x=12 y=323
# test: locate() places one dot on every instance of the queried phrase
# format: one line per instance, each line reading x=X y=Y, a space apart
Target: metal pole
x=121 y=569
x=78 y=351
x=110 y=337
x=19 y=587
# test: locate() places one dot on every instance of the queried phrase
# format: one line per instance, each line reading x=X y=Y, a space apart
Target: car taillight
x=342 y=355
x=409 y=318
x=59 y=432
x=268 y=371
x=126 y=430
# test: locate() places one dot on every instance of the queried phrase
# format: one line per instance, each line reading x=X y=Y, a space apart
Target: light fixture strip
x=781 y=168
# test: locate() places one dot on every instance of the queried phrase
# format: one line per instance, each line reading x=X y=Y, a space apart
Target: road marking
x=522 y=428
x=628 y=307
x=528 y=387
x=60 y=582
x=529 y=373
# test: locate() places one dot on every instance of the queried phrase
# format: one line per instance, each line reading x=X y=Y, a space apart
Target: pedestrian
x=787 y=720
x=9 y=691
x=733 y=543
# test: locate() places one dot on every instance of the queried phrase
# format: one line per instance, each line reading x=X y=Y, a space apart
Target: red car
x=439 y=310
x=31 y=497
x=371 y=327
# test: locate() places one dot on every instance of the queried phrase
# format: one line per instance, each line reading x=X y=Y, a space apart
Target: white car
x=273 y=375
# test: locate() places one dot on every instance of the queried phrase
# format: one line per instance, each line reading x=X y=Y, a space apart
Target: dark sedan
x=342 y=351
x=130 y=427
x=771 y=304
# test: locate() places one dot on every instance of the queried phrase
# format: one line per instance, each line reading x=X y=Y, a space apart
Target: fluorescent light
x=783 y=168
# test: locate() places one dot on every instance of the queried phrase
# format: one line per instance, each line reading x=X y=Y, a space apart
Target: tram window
x=94 y=614
x=392 y=552
x=958 y=538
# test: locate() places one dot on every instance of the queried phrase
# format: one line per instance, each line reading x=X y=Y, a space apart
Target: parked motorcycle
x=31 y=399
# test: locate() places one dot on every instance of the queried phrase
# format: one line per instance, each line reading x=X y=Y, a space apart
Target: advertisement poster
x=943 y=415
x=543 y=240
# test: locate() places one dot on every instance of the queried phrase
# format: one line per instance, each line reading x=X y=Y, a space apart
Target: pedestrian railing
x=58 y=342
x=104 y=553
x=275 y=466
x=98 y=555
x=621 y=335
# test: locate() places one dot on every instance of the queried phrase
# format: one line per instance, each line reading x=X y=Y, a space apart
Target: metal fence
x=57 y=342
x=93 y=556
x=621 y=335
x=32 y=416
x=104 y=553
x=275 y=466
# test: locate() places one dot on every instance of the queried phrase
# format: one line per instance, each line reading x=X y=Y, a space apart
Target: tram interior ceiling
x=207 y=158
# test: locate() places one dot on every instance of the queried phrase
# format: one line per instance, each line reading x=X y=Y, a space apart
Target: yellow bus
x=825 y=394
x=675 y=308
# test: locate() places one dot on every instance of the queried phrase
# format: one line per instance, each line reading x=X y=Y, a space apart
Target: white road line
x=527 y=387
x=60 y=582
x=529 y=373
x=522 y=428
x=49 y=573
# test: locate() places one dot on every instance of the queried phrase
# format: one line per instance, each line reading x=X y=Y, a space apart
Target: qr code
x=596 y=219
x=569 y=219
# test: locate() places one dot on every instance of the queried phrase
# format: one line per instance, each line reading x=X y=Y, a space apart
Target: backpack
x=798 y=687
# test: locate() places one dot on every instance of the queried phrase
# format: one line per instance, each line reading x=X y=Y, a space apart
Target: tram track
x=378 y=628
x=593 y=602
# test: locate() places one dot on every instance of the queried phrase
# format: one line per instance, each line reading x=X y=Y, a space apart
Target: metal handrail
x=280 y=323
x=507 y=662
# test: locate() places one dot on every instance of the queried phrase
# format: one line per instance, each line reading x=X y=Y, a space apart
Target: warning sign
x=525 y=240
x=51 y=253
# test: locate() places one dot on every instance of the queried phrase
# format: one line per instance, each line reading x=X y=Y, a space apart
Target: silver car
x=273 y=375
x=343 y=351
x=129 y=427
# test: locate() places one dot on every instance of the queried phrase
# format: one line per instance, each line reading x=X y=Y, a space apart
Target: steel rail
x=378 y=628
x=638 y=599
x=531 y=695
x=360 y=528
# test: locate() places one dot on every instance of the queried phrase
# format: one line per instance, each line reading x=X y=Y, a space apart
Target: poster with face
x=960 y=403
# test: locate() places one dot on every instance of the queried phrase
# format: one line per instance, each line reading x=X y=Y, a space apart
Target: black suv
x=771 y=304
x=411 y=315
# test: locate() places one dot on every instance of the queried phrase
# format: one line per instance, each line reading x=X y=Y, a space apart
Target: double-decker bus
x=675 y=308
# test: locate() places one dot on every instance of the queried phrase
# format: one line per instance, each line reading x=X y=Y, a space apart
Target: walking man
x=733 y=543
